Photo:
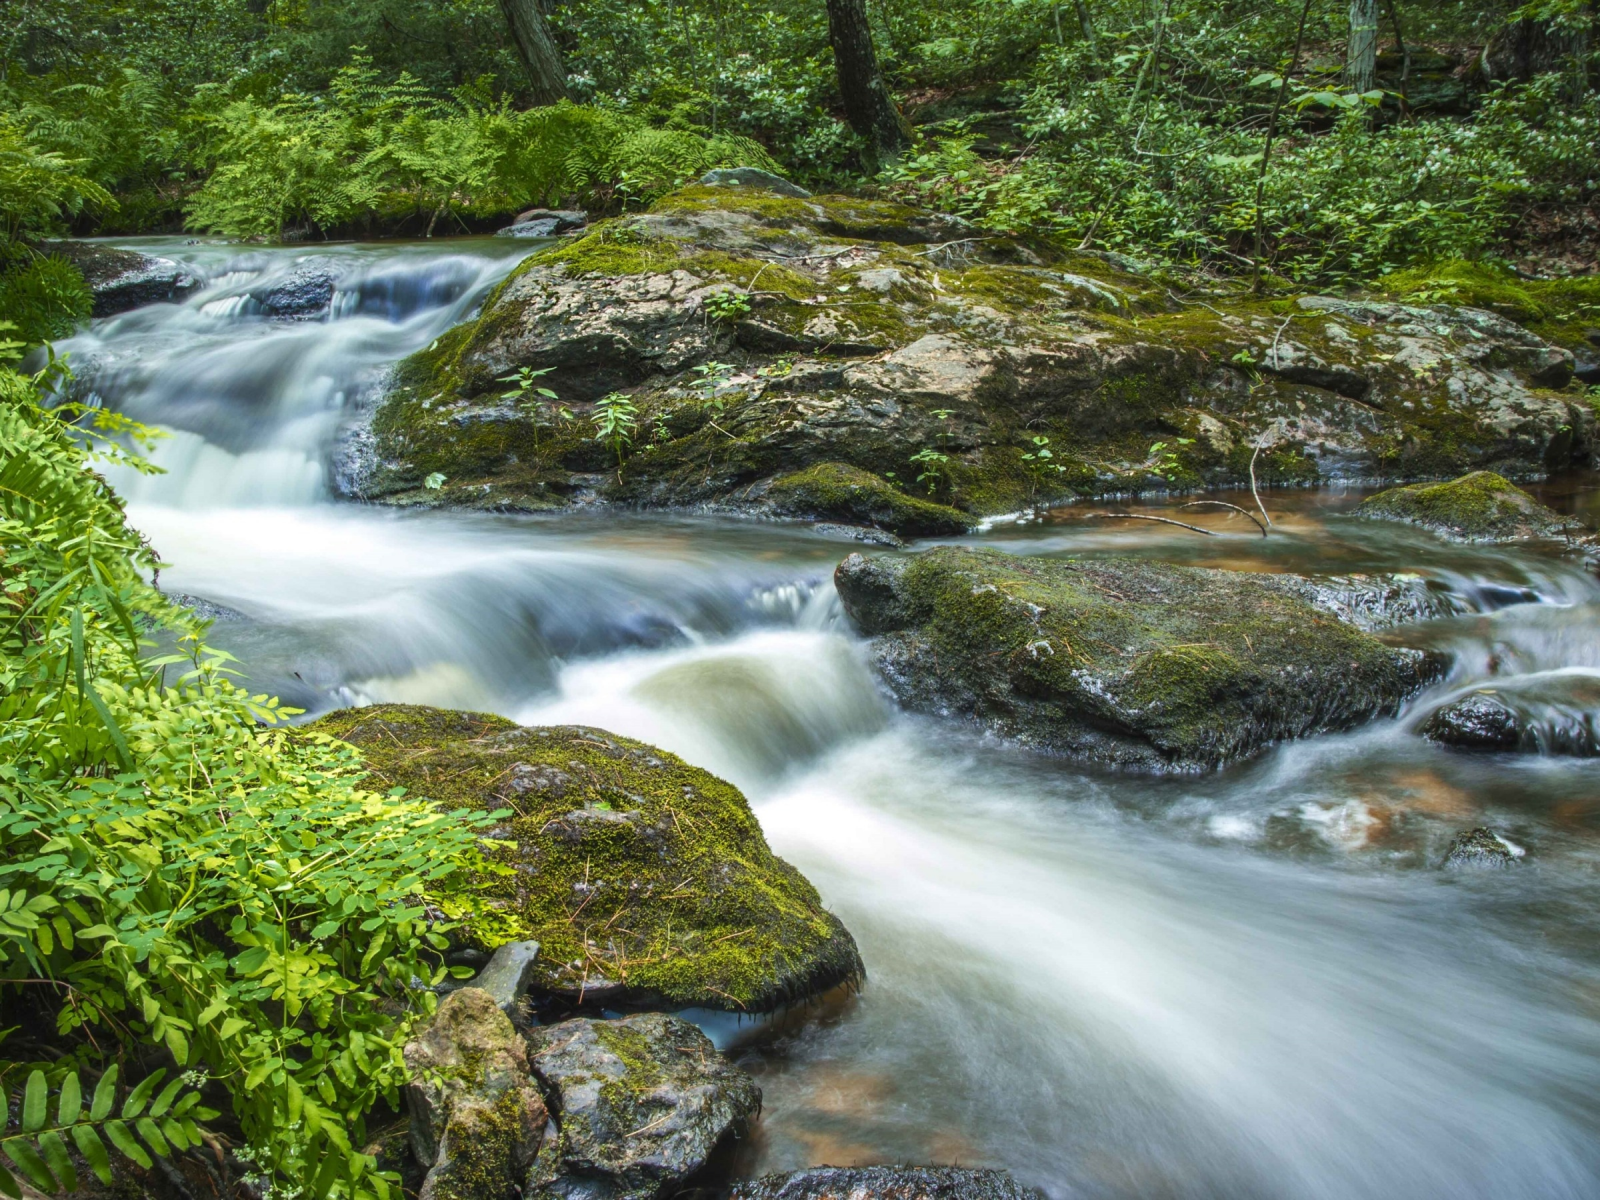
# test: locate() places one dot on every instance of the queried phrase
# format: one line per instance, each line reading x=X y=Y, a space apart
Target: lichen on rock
x=840 y=492
x=1480 y=507
x=646 y=881
x=476 y=1119
x=641 y=1103
x=1131 y=663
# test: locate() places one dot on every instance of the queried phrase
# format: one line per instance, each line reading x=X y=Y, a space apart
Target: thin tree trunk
x=1266 y=148
x=1405 y=59
x=1084 y=23
x=537 y=49
x=1361 y=54
x=867 y=104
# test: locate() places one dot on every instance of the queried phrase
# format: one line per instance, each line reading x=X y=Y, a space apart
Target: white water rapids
x=1256 y=984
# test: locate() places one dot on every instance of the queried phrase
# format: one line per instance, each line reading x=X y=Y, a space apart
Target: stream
x=1250 y=984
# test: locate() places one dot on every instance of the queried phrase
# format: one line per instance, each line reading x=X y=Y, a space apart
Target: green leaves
x=192 y=876
x=39 y=1149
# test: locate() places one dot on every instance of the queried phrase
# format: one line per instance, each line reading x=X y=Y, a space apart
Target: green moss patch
x=644 y=879
x=1480 y=507
x=839 y=492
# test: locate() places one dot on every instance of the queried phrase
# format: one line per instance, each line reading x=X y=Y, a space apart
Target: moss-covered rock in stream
x=1130 y=663
x=645 y=880
x=760 y=336
x=1480 y=507
x=840 y=492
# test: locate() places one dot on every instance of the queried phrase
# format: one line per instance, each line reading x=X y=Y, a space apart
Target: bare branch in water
x=1225 y=504
x=1260 y=441
x=1142 y=517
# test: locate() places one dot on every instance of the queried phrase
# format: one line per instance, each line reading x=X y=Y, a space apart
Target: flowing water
x=1253 y=984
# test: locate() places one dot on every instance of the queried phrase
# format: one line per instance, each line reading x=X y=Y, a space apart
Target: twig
x=1273 y=353
x=1163 y=520
x=947 y=245
x=1225 y=504
x=1260 y=441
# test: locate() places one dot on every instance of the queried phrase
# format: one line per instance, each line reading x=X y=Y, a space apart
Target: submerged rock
x=1481 y=847
x=1555 y=712
x=477 y=1120
x=646 y=881
x=761 y=335
x=641 y=1103
x=1480 y=507
x=1131 y=663
x=886 y=1183
x=124 y=279
x=304 y=294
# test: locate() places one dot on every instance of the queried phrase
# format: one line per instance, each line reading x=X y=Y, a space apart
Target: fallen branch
x=1260 y=441
x=1225 y=504
x=1163 y=520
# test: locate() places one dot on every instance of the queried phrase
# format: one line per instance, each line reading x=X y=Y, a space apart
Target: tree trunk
x=1361 y=57
x=537 y=49
x=867 y=104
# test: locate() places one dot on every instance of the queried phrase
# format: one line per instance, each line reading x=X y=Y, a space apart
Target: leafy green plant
x=190 y=875
x=616 y=420
x=522 y=392
x=148 y=1123
x=1163 y=459
x=727 y=305
x=714 y=377
x=1039 y=462
x=933 y=466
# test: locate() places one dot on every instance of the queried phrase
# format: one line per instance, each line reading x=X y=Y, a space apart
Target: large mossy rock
x=862 y=333
x=1480 y=507
x=1130 y=663
x=641 y=1103
x=646 y=881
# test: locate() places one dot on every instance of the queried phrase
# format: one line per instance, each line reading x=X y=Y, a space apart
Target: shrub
x=184 y=876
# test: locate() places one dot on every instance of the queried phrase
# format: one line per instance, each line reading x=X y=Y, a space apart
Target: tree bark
x=530 y=32
x=867 y=104
x=1361 y=55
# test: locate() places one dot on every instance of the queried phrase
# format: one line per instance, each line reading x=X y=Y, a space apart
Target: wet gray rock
x=125 y=279
x=1554 y=712
x=641 y=1102
x=509 y=976
x=304 y=294
x=1379 y=601
x=886 y=1183
x=1481 y=848
x=544 y=222
x=1478 y=722
x=477 y=1121
x=753 y=177
x=1129 y=663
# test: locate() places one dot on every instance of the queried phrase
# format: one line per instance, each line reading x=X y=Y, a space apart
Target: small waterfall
x=255 y=374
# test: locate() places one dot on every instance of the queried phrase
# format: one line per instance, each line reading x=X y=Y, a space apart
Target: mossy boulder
x=1130 y=663
x=646 y=881
x=839 y=492
x=759 y=335
x=1480 y=507
x=641 y=1103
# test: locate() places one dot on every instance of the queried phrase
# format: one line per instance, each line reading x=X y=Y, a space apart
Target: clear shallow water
x=1251 y=984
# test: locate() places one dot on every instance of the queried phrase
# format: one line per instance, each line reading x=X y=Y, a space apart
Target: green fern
x=148 y=1123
